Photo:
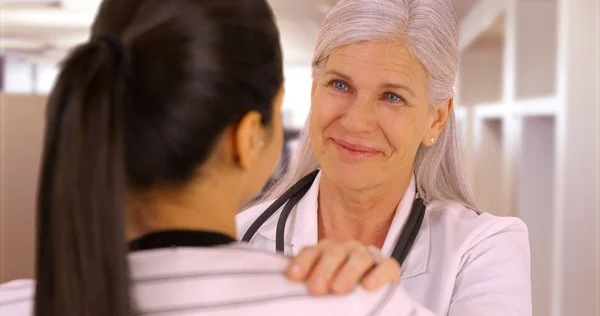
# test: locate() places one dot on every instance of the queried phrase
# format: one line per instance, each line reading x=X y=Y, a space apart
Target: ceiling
x=46 y=29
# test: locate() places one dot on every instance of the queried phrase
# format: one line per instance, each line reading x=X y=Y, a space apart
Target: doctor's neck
x=207 y=203
x=364 y=215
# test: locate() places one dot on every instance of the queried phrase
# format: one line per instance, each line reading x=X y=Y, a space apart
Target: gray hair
x=430 y=30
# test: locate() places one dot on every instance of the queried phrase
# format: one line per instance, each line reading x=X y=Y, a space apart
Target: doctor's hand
x=337 y=267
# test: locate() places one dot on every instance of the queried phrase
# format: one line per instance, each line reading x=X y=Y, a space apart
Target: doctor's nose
x=360 y=116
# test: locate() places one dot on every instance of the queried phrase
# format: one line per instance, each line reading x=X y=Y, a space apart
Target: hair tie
x=115 y=43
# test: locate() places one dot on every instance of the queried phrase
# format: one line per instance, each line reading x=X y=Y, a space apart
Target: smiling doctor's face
x=370 y=112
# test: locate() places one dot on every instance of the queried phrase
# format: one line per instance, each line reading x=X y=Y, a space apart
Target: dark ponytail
x=140 y=105
x=81 y=264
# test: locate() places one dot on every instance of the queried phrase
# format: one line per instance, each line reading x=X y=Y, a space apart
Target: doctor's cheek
x=333 y=267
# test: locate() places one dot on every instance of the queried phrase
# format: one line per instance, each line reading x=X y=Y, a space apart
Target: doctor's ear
x=248 y=139
x=441 y=115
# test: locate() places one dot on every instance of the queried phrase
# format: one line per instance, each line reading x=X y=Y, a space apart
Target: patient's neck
x=361 y=215
x=206 y=205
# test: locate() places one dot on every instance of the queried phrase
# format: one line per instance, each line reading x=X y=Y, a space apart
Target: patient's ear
x=248 y=139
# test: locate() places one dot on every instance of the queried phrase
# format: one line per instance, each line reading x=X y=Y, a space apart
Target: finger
x=354 y=269
x=385 y=272
x=332 y=258
x=302 y=264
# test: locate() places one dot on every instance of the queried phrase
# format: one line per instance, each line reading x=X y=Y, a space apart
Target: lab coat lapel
x=418 y=257
x=306 y=229
x=301 y=227
x=416 y=261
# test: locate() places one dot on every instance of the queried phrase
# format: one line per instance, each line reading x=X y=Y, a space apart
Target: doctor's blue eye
x=339 y=85
x=392 y=97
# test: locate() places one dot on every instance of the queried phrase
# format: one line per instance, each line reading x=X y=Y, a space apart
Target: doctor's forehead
x=382 y=60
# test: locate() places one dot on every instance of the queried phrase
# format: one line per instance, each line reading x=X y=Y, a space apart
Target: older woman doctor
x=381 y=134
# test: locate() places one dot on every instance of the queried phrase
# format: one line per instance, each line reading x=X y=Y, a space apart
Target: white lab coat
x=223 y=281
x=461 y=264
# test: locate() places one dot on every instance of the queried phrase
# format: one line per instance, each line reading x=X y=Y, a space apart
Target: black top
x=179 y=238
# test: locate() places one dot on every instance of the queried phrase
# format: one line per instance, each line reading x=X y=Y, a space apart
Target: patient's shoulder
x=16 y=297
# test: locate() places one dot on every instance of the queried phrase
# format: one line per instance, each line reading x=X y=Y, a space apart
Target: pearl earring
x=261 y=143
x=433 y=140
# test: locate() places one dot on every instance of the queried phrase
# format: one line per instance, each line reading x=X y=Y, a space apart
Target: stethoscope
x=293 y=195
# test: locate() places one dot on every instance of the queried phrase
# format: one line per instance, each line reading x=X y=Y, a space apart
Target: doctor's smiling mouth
x=354 y=150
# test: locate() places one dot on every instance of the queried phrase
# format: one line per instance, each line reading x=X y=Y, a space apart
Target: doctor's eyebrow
x=398 y=86
x=338 y=74
x=386 y=85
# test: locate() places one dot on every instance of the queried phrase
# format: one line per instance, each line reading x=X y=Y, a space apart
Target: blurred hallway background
x=528 y=107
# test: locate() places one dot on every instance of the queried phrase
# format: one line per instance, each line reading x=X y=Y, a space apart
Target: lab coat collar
x=416 y=261
x=302 y=228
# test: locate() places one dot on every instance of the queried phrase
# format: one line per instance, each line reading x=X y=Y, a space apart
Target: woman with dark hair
x=159 y=129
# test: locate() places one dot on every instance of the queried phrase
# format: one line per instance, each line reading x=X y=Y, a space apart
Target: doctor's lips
x=354 y=149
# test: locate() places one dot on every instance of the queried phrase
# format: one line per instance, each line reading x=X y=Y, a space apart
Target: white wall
x=480 y=75
x=18 y=75
x=577 y=223
x=22 y=76
x=45 y=76
x=296 y=104
x=544 y=155
x=535 y=205
x=536 y=39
